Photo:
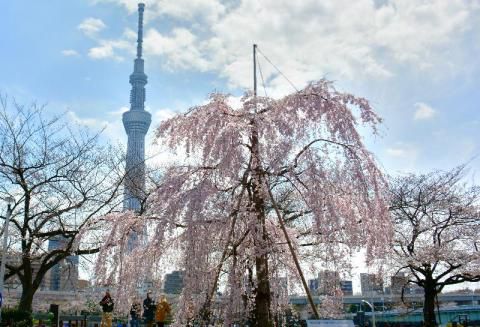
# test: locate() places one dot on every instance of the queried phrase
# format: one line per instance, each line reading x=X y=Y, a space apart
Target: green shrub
x=20 y=318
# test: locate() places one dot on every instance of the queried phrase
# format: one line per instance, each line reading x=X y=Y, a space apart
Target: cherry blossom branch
x=292 y=251
x=233 y=216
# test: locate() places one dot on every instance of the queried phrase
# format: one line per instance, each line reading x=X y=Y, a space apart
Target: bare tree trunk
x=262 y=296
x=429 y=303
x=27 y=298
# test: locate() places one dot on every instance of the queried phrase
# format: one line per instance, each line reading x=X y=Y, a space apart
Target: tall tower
x=136 y=122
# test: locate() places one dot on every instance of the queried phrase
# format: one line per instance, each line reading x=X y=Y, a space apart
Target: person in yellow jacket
x=163 y=309
x=107 y=308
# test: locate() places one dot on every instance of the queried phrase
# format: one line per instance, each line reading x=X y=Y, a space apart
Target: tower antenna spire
x=141 y=8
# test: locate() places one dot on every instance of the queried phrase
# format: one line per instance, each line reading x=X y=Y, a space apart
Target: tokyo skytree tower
x=136 y=122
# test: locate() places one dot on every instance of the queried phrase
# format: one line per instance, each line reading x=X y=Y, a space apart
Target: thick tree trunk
x=262 y=316
x=262 y=295
x=27 y=298
x=30 y=285
x=429 y=304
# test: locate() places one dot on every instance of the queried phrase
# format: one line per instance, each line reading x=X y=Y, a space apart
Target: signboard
x=330 y=323
x=54 y=310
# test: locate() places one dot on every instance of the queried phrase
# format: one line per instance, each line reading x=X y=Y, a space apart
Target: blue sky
x=418 y=62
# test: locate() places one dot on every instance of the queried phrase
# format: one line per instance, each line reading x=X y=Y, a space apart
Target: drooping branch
x=233 y=216
x=292 y=252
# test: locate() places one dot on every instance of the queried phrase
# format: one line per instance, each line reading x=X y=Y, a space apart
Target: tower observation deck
x=136 y=122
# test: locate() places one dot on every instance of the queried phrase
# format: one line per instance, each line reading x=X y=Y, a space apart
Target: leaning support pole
x=295 y=258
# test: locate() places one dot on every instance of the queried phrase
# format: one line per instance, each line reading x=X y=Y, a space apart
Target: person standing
x=135 y=313
x=163 y=309
x=107 y=310
x=149 y=309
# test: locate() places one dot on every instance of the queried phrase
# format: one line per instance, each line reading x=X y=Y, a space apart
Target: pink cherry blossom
x=213 y=215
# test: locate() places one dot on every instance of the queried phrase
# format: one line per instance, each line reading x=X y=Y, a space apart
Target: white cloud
x=402 y=150
x=112 y=130
x=91 y=26
x=308 y=39
x=161 y=115
x=87 y=122
x=130 y=34
x=101 y=52
x=402 y=157
x=112 y=127
x=106 y=49
x=118 y=113
x=423 y=111
x=180 y=49
x=397 y=152
x=70 y=53
x=186 y=10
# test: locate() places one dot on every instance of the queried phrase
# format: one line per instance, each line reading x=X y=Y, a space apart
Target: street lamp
x=4 y=250
x=373 y=312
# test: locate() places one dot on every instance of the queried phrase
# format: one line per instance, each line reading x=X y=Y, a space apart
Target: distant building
x=83 y=284
x=397 y=283
x=371 y=284
x=146 y=285
x=328 y=282
x=313 y=286
x=64 y=275
x=283 y=287
x=415 y=289
x=173 y=282
x=347 y=287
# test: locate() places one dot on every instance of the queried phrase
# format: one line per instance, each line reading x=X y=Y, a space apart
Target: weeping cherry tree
x=260 y=185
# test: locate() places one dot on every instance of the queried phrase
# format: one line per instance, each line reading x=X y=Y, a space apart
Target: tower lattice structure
x=136 y=122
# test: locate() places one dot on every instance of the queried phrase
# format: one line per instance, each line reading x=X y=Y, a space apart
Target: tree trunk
x=262 y=296
x=262 y=315
x=27 y=298
x=28 y=287
x=429 y=303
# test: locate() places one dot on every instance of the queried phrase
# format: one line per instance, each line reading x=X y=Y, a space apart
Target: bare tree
x=60 y=177
x=437 y=228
